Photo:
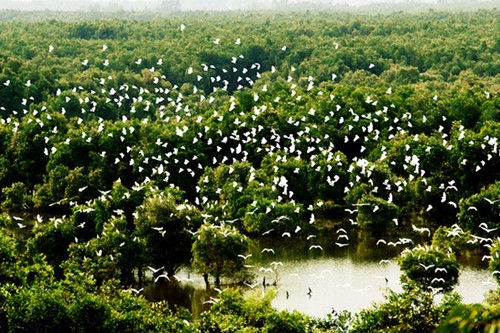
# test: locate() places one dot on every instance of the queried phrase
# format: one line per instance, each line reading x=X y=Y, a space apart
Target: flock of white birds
x=174 y=157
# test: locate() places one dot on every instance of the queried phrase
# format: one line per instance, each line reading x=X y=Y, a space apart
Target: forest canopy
x=132 y=145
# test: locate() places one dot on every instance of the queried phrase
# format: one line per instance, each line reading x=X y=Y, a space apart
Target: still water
x=319 y=279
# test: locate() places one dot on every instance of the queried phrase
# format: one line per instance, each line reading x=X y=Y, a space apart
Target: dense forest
x=128 y=144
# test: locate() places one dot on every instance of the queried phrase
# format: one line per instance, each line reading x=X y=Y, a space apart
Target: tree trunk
x=205 y=277
x=139 y=274
x=217 y=281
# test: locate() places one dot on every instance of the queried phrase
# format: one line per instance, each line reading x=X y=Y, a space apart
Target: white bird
x=137 y=291
x=267 y=250
x=421 y=230
x=344 y=236
x=316 y=247
x=266 y=269
x=252 y=286
x=267 y=232
x=212 y=300
x=162 y=276
x=244 y=257
x=484 y=226
x=155 y=270
x=427 y=267
x=491 y=202
x=434 y=290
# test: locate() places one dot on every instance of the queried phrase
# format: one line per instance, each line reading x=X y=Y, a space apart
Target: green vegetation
x=130 y=148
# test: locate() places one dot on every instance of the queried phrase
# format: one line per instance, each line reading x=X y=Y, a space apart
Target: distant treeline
x=76 y=10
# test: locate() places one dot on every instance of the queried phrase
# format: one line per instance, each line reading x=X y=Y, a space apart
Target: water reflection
x=341 y=278
x=187 y=295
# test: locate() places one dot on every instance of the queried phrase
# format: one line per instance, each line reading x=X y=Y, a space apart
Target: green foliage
x=16 y=197
x=235 y=313
x=8 y=259
x=494 y=263
x=471 y=318
x=431 y=268
x=57 y=308
x=137 y=147
x=479 y=212
x=80 y=123
x=215 y=251
x=52 y=239
x=453 y=239
x=113 y=254
x=165 y=225
x=413 y=310
x=375 y=213
x=38 y=309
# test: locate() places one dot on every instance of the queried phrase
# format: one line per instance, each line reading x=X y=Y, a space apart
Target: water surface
x=315 y=280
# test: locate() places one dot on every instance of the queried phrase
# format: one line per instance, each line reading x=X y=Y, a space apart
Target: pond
x=316 y=275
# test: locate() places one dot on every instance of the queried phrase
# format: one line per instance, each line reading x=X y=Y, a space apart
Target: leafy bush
x=413 y=310
x=430 y=268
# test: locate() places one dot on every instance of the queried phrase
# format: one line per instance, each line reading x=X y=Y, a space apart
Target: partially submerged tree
x=165 y=225
x=429 y=267
x=215 y=251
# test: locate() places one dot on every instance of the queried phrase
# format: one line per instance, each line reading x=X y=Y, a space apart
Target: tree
x=495 y=259
x=16 y=197
x=53 y=239
x=236 y=313
x=215 y=251
x=479 y=212
x=431 y=268
x=375 y=213
x=412 y=311
x=471 y=318
x=9 y=270
x=112 y=254
x=453 y=239
x=165 y=225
